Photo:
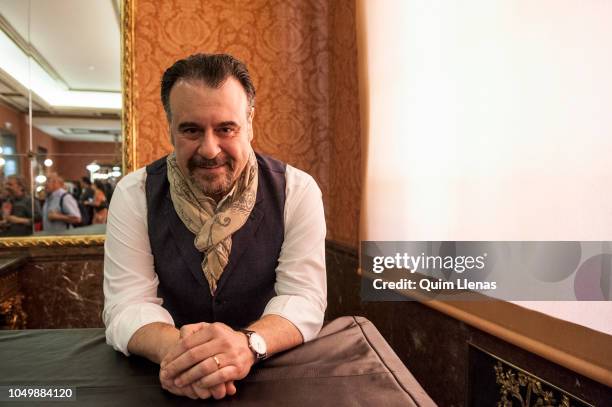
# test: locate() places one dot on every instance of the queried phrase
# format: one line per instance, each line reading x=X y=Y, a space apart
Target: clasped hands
x=206 y=361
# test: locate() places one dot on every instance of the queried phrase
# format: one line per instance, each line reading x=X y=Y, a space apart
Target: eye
x=190 y=132
x=226 y=131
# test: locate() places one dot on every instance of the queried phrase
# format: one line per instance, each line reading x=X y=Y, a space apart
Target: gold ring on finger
x=216 y=359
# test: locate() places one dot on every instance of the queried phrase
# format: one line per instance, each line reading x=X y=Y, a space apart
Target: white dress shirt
x=130 y=281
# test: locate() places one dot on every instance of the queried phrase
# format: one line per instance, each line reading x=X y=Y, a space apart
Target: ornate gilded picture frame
x=128 y=132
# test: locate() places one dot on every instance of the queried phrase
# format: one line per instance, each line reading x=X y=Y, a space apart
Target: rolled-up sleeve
x=130 y=281
x=301 y=283
x=70 y=206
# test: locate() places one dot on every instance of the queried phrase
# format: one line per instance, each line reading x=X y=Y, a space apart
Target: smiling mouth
x=205 y=167
x=216 y=168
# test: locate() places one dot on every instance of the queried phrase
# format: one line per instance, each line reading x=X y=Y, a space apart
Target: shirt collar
x=226 y=197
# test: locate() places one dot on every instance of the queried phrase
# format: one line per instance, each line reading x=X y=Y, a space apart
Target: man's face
x=13 y=187
x=211 y=130
x=53 y=184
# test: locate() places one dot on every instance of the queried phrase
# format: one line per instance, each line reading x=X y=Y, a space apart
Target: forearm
x=18 y=220
x=278 y=332
x=153 y=341
x=64 y=218
x=72 y=219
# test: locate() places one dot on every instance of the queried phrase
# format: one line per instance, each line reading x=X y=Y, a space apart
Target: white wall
x=491 y=120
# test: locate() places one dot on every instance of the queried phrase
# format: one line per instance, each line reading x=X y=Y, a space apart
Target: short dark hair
x=212 y=69
x=20 y=180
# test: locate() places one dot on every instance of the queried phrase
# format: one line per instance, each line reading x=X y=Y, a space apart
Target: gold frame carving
x=513 y=381
x=513 y=384
x=129 y=90
x=129 y=138
x=13 y=314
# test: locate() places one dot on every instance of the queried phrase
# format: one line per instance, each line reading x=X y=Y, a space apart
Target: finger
x=225 y=374
x=189 y=392
x=218 y=391
x=192 y=357
x=202 y=369
x=199 y=337
x=230 y=388
x=190 y=329
x=179 y=391
x=202 y=392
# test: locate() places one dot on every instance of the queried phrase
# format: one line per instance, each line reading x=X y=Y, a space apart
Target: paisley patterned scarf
x=213 y=224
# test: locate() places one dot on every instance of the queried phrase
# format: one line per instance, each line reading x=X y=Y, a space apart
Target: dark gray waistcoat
x=247 y=284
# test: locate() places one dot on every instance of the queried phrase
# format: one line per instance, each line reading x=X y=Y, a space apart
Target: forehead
x=195 y=98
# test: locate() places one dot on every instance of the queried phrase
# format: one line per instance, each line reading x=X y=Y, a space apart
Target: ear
x=170 y=134
x=251 y=115
x=250 y=121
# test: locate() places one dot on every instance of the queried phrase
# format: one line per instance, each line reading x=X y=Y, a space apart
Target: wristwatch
x=256 y=344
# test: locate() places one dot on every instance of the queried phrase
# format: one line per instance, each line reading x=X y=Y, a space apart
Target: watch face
x=257 y=343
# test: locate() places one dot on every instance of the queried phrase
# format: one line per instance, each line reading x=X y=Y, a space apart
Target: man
x=60 y=210
x=86 y=197
x=213 y=239
x=17 y=210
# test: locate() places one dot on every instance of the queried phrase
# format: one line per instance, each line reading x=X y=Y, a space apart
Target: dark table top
x=349 y=364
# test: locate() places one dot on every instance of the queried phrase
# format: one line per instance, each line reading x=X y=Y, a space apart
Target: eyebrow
x=188 y=125
x=227 y=124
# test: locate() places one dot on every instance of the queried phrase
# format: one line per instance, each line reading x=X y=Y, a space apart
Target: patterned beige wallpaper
x=302 y=57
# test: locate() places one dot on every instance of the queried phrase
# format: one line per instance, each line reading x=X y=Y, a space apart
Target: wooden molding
x=573 y=346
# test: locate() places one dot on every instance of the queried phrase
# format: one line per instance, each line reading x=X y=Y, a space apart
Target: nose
x=209 y=146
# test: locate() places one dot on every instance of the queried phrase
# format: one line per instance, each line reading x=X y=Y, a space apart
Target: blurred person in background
x=85 y=200
x=99 y=203
x=77 y=189
x=17 y=213
x=109 y=188
x=61 y=210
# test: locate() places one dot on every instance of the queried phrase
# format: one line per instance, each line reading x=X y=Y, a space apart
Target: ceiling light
x=93 y=167
x=48 y=162
x=31 y=75
x=41 y=179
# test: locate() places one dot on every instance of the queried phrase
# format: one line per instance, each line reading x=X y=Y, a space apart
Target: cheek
x=239 y=154
x=184 y=150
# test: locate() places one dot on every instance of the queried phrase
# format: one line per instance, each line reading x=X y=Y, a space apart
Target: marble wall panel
x=63 y=291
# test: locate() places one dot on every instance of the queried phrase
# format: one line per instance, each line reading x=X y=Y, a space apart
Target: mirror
x=61 y=134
